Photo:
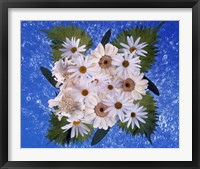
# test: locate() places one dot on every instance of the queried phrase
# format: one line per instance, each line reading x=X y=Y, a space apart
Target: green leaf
x=106 y=37
x=152 y=86
x=48 y=75
x=147 y=128
x=148 y=35
x=99 y=135
x=56 y=134
x=58 y=36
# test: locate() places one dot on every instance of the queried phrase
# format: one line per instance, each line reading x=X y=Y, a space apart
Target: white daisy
x=135 y=86
x=102 y=58
x=82 y=68
x=77 y=125
x=134 y=47
x=135 y=115
x=118 y=104
x=83 y=89
x=71 y=48
x=126 y=65
x=100 y=79
x=111 y=87
x=95 y=111
x=59 y=71
x=64 y=104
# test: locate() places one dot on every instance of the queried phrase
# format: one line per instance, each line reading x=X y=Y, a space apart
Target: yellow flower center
x=76 y=123
x=133 y=114
x=73 y=50
x=85 y=92
x=110 y=87
x=128 y=85
x=82 y=69
x=132 y=49
x=105 y=62
x=99 y=110
x=125 y=63
x=118 y=105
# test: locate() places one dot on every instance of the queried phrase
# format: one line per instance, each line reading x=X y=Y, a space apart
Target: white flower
x=64 y=104
x=83 y=89
x=78 y=126
x=102 y=58
x=60 y=72
x=100 y=79
x=95 y=111
x=134 y=47
x=135 y=86
x=71 y=48
x=126 y=65
x=118 y=104
x=82 y=68
x=135 y=115
x=111 y=87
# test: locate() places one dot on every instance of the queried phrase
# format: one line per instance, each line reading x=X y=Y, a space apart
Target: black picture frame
x=4 y=98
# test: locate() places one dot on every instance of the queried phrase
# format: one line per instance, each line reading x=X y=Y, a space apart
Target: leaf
x=59 y=34
x=99 y=135
x=147 y=128
x=152 y=86
x=56 y=134
x=48 y=75
x=106 y=37
x=148 y=35
x=68 y=136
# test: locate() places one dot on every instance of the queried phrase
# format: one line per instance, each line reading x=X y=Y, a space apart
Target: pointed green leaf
x=147 y=128
x=148 y=35
x=99 y=135
x=48 y=75
x=106 y=37
x=152 y=86
x=59 y=34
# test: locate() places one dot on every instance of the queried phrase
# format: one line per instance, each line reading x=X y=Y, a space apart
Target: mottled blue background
x=36 y=90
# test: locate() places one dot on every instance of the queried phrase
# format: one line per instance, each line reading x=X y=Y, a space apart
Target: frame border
x=6 y=4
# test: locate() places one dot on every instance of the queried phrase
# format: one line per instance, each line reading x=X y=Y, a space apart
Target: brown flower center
x=105 y=62
x=118 y=105
x=132 y=49
x=100 y=110
x=76 y=123
x=125 y=63
x=73 y=50
x=110 y=87
x=84 y=92
x=133 y=114
x=82 y=69
x=128 y=85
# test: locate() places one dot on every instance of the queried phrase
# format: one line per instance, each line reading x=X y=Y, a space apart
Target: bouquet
x=100 y=88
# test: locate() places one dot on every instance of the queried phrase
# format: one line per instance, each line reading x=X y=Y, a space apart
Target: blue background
x=36 y=90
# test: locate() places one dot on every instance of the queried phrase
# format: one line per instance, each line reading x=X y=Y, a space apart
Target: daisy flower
x=71 y=48
x=102 y=58
x=82 y=68
x=135 y=115
x=59 y=71
x=96 y=111
x=65 y=104
x=77 y=125
x=134 y=47
x=111 y=87
x=83 y=89
x=135 y=86
x=126 y=65
x=118 y=104
x=100 y=79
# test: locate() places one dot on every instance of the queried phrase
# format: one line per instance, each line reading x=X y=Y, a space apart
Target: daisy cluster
x=100 y=88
